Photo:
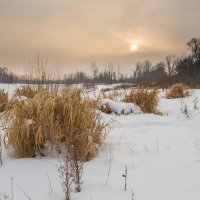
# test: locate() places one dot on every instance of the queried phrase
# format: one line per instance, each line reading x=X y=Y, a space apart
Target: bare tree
x=171 y=62
x=194 y=46
x=95 y=71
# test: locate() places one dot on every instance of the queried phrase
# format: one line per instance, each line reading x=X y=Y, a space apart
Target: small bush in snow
x=178 y=90
x=4 y=196
x=184 y=109
x=195 y=102
x=70 y=171
x=66 y=177
x=146 y=99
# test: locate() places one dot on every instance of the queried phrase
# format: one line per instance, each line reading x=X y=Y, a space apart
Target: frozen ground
x=162 y=155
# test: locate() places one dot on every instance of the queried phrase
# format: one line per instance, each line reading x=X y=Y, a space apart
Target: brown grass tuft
x=106 y=108
x=103 y=90
x=146 y=99
x=50 y=119
x=26 y=91
x=178 y=90
x=3 y=100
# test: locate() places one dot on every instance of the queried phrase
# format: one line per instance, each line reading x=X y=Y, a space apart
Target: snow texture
x=162 y=155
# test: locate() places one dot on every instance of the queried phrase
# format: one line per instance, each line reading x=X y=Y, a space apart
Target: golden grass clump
x=26 y=91
x=66 y=120
x=178 y=90
x=103 y=90
x=3 y=100
x=146 y=99
x=20 y=96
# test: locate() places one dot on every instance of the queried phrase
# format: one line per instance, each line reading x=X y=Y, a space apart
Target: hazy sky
x=74 y=33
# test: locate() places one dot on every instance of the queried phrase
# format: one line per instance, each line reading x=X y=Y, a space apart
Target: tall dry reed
x=146 y=99
x=3 y=100
x=50 y=119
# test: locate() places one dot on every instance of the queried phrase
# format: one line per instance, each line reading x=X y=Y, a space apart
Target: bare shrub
x=77 y=171
x=3 y=100
x=178 y=90
x=66 y=177
x=146 y=99
x=50 y=119
x=4 y=196
x=71 y=169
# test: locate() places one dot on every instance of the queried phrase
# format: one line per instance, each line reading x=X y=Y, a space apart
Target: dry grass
x=178 y=90
x=103 y=90
x=3 y=100
x=114 y=95
x=26 y=91
x=106 y=109
x=109 y=95
x=146 y=99
x=20 y=95
x=50 y=119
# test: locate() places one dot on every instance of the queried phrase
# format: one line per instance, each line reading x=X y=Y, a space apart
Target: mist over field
x=72 y=34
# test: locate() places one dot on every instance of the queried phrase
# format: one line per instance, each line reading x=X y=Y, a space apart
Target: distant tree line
x=188 y=66
x=7 y=76
x=172 y=69
x=107 y=76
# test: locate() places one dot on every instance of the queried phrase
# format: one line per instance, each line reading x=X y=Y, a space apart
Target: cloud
x=83 y=30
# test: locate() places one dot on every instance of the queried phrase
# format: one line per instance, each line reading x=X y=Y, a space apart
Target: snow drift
x=119 y=107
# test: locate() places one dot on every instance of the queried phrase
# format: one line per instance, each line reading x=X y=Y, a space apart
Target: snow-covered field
x=162 y=155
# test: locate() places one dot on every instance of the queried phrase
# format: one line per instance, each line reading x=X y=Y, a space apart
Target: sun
x=134 y=47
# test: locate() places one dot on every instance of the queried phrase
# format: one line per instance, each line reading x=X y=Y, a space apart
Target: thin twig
x=125 y=178
x=157 y=145
x=51 y=188
x=110 y=164
x=146 y=148
x=11 y=183
x=108 y=174
x=25 y=194
x=1 y=151
x=132 y=194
